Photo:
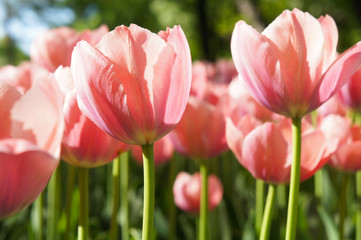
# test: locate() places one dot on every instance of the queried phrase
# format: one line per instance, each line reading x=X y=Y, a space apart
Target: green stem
x=149 y=189
x=259 y=205
x=318 y=185
x=53 y=196
x=268 y=212
x=116 y=198
x=203 y=216
x=37 y=225
x=342 y=206
x=69 y=196
x=358 y=215
x=294 y=181
x=172 y=208
x=281 y=196
x=124 y=205
x=83 y=227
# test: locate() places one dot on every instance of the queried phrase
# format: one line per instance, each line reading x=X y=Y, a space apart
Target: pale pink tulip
x=187 y=192
x=53 y=48
x=30 y=137
x=290 y=66
x=84 y=144
x=163 y=151
x=134 y=84
x=266 y=150
x=348 y=137
x=351 y=91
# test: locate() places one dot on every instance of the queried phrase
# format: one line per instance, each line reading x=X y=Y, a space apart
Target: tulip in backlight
x=291 y=67
x=134 y=84
x=30 y=136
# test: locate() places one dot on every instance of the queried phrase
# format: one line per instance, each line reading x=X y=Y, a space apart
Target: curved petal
x=255 y=58
x=178 y=190
x=347 y=157
x=30 y=122
x=265 y=154
x=234 y=139
x=330 y=32
x=19 y=186
x=215 y=191
x=336 y=75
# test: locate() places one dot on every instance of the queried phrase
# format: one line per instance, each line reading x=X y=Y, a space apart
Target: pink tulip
x=201 y=132
x=266 y=150
x=30 y=136
x=53 y=48
x=134 y=84
x=84 y=144
x=163 y=151
x=21 y=76
x=290 y=66
x=351 y=91
x=335 y=105
x=348 y=137
x=187 y=192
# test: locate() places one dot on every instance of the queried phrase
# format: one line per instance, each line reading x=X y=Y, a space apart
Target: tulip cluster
x=281 y=107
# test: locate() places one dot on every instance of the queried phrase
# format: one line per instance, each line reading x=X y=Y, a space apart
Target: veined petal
x=336 y=75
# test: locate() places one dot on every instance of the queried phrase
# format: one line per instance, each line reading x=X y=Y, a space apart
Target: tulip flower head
x=291 y=67
x=134 y=84
x=29 y=141
x=265 y=149
x=187 y=192
x=348 y=138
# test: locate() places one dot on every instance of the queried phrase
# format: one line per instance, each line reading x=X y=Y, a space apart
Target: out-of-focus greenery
x=208 y=24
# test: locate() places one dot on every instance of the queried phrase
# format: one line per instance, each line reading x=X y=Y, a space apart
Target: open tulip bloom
x=134 y=85
x=29 y=141
x=292 y=69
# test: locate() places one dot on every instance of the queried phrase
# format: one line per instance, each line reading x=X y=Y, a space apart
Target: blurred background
x=208 y=24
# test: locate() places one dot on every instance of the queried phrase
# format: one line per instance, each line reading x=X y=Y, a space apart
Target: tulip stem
x=292 y=212
x=69 y=197
x=38 y=214
x=53 y=195
x=259 y=205
x=268 y=212
x=116 y=198
x=149 y=192
x=124 y=205
x=83 y=227
x=342 y=206
x=203 y=216
x=358 y=215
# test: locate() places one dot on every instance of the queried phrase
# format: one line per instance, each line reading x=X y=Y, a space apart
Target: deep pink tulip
x=54 y=47
x=348 y=138
x=351 y=91
x=84 y=144
x=266 y=150
x=30 y=137
x=163 y=151
x=290 y=66
x=134 y=84
x=187 y=192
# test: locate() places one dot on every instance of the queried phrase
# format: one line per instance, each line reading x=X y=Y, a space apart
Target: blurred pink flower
x=187 y=192
x=53 y=48
x=266 y=149
x=290 y=67
x=163 y=151
x=84 y=144
x=348 y=138
x=351 y=91
x=134 y=84
x=30 y=137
